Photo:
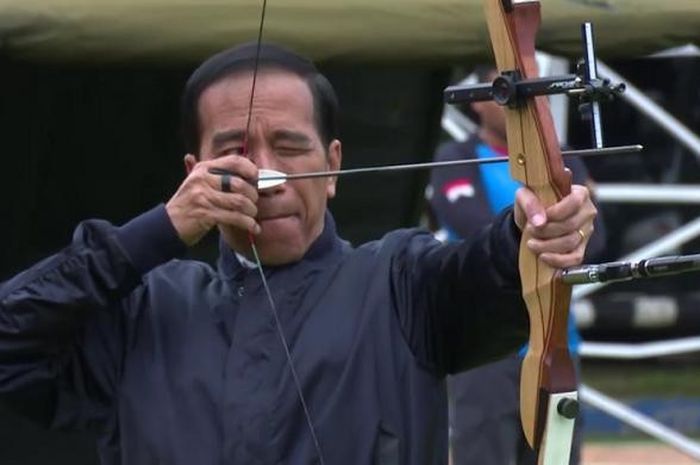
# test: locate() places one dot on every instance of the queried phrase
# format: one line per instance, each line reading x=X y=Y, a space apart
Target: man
x=173 y=362
x=484 y=402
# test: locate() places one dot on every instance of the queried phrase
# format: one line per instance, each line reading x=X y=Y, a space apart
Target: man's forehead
x=264 y=76
x=282 y=98
x=270 y=85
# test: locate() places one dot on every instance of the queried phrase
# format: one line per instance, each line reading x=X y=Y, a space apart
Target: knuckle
x=199 y=196
x=581 y=196
x=207 y=218
x=238 y=184
x=581 y=190
x=564 y=261
x=235 y=202
x=199 y=171
x=242 y=221
x=570 y=224
x=573 y=241
x=235 y=219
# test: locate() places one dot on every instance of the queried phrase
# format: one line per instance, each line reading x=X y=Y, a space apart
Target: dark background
x=82 y=143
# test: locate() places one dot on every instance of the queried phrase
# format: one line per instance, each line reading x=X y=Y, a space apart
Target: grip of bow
x=548 y=382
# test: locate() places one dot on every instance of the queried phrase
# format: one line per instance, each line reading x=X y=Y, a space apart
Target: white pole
x=639 y=421
x=647 y=193
x=654 y=111
x=638 y=351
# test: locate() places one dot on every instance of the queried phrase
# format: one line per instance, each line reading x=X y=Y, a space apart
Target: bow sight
x=509 y=89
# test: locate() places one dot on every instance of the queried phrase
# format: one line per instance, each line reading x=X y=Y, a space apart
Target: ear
x=190 y=162
x=335 y=157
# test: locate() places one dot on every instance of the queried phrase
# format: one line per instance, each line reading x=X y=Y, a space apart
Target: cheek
x=314 y=198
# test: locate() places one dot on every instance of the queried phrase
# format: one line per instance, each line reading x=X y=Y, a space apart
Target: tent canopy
x=347 y=31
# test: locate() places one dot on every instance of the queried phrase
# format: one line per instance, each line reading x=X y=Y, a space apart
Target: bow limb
x=548 y=374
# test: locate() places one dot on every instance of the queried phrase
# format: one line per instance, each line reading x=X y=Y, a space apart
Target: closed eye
x=231 y=151
x=290 y=151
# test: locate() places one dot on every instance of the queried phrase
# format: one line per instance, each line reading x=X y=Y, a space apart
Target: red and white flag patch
x=454 y=190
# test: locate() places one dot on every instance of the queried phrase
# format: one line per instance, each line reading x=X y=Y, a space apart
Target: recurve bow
x=548 y=398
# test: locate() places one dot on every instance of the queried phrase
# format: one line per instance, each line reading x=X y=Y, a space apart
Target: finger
x=207 y=202
x=563 y=260
x=235 y=219
x=572 y=225
x=225 y=180
x=569 y=205
x=236 y=164
x=531 y=206
x=234 y=202
x=559 y=245
x=232 y=185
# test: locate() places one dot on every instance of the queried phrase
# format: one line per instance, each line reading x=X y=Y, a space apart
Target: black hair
x=244 y=58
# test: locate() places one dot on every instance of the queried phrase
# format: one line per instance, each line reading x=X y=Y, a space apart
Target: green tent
x=328 y=30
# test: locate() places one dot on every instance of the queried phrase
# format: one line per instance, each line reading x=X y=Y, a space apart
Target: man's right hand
x=199 y=204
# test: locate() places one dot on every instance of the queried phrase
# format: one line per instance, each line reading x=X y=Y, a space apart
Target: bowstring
x=258 y=262
x=283 y=338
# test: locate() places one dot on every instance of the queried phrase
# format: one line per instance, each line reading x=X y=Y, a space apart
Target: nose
x=262 y=157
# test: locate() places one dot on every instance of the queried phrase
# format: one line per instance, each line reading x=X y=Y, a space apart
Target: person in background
x=484 y=402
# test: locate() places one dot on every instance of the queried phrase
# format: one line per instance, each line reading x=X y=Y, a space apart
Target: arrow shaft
x=625 y=149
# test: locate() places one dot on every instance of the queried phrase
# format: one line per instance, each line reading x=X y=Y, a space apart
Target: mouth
x=275 y=217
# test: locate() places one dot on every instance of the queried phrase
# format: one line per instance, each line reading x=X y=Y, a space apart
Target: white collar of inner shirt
x=245 y=263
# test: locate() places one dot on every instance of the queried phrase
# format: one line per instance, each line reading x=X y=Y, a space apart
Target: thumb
x=529 y=208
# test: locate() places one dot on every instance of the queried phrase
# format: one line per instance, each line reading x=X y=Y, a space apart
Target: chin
x=282 y=241
x=278 y=253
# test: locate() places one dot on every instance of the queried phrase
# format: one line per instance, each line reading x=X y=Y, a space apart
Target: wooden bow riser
x=535 y=161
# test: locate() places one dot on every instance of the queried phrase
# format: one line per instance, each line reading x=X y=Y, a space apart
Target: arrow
x=271 y=178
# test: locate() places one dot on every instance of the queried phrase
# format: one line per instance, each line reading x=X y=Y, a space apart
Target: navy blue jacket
x=173 y=362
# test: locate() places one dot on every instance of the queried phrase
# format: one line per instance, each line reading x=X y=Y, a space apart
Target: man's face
x=283 y=137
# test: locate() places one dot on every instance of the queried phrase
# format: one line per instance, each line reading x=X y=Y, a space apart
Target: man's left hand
x=559 y=233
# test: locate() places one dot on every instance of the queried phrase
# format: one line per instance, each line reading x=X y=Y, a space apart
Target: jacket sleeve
x=62 y=320
x=459 y=304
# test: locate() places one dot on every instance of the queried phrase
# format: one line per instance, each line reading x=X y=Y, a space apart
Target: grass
x=657 y=378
